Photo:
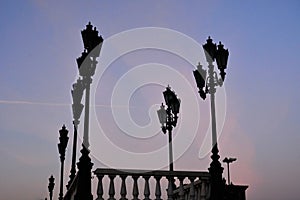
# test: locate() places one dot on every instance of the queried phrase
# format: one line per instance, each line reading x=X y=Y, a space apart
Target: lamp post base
x=216 y=170
x=84 y=172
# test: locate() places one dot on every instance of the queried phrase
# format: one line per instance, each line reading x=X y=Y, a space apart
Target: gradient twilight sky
x=40 y=41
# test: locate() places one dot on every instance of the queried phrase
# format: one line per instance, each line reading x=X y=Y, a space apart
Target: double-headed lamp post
x=228 y=161
x=62 y=145
x=51 y=186
x=207 y=85
x=168 y=118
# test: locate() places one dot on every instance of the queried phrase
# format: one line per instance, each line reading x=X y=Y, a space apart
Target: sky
x=148 y=45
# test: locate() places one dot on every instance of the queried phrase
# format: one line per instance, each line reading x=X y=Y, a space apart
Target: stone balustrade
x=144 y=184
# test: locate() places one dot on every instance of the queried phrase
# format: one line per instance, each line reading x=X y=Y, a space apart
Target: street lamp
x=62 y=145
x=77 y=108
x=51 y=186
x=87 y=66
x=228 y=161
x=207 y=84
x=168 y=118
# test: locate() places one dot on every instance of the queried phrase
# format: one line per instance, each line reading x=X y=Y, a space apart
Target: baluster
x=192 y=188
x=208 y=190
x=181 y=189
x=197 y=190
x=100 y=187
x=202 y=190
x=157 y=188
x=135 y=190
x=146 y=189
x=111 y=187
x=170 y=188
x=123 y=191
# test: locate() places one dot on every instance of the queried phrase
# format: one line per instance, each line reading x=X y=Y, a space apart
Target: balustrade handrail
x=138 y=172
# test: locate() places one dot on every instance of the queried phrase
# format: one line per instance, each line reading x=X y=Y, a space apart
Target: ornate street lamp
x=86 y=65
x=77 y=108
x=228 y=161
x=207 y=85
x=51 y=186
x=62 y=145
x=168 y=118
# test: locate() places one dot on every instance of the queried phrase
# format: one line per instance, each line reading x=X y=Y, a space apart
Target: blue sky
x=39 y=44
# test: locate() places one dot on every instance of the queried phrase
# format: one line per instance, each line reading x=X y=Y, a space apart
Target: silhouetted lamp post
x=228 y=161
x=51 y=186
x=168 y=118
x=62 y=145
x=87 y=65
x=77 y=108
x=207 y=85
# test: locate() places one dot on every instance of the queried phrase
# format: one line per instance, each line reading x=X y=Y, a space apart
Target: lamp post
x=77 y=108
x=228 y=161
x=87 y=65
x=51 y=186
x=62 y=145
x=168 y=118
x=207 y=85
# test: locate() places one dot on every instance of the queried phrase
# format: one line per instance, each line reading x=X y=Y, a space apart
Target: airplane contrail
x=32 y=103
x=56 y=104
